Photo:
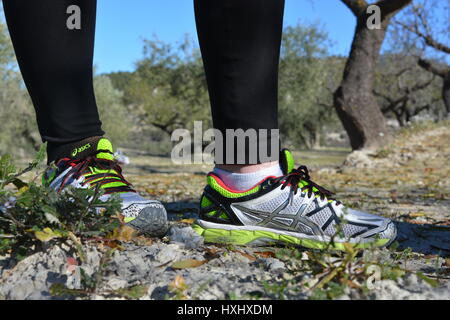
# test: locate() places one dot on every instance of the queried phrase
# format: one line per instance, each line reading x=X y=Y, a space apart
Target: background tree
x=422 y=21
x=19 y=133
x=117 y=122
x=354 y=100
x=168 y=87
x=305 y=74
x=405 y=90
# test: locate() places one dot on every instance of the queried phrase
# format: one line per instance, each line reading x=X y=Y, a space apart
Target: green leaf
x=432 y=282
x=40 y=155
x=47 y=234
x=7 y=169
x=135 y=292
x=59 y=290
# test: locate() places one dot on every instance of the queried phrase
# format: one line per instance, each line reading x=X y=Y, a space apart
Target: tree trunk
x=444 y=73
x=446 y=93
x=354 y=100
x=316 y=144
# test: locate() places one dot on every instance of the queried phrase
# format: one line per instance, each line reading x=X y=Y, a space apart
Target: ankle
x=237 y=168
x=58 y=150
x=242 y=178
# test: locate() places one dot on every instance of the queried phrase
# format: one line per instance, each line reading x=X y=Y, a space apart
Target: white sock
x=245 y=181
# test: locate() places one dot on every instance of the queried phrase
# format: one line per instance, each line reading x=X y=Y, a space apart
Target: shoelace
x=81 y=167
x=298 y=175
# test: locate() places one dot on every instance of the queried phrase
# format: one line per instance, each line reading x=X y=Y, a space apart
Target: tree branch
x=390 y=6
x=356 y=6
x=429 y=40
x=385 y=97
x=166 y=126
x=392 y=104
x=433 y=68
x=421 y=86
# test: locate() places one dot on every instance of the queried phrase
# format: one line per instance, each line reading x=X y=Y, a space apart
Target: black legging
x=240 y=44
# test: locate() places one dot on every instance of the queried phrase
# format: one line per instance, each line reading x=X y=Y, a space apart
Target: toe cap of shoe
x=389 y=233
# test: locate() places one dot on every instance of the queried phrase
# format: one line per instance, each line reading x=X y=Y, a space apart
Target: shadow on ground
x=424 y=238
x=179 y=210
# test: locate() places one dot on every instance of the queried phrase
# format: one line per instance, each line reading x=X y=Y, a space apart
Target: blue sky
x=122 y=24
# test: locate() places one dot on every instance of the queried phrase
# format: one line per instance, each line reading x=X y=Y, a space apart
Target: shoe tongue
x=91 y=146
x=287 y=161
x=105 y=145
x=287 y=164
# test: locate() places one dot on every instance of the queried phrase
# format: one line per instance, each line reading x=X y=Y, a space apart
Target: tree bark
x=446 y=93
x=444 y=73
x=354 y=100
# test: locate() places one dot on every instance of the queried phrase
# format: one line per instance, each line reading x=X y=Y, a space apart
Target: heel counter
x=211 y=210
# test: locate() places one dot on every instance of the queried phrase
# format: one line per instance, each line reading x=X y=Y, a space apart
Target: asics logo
x=80 y=149
x=282 y=222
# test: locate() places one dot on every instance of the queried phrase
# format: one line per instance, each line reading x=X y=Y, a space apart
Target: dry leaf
x=211 y=253
x=123 y=233
x=178 y=284
x=353 y=284
x=188 y=221
x=143 y=241
x=417 y=214
x=248 y=256
x=189 y=263
x=121 y=218
x=266 y=254
x=113 y=244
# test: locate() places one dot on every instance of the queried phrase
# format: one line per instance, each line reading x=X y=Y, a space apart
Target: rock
x=32 y=277
x=360 y=159
x=272 y=264
x=170 y=253
x=115 y=283
x=185 y=236
x=410 y=287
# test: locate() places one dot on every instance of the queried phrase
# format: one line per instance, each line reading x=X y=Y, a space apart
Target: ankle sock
x=245 y=181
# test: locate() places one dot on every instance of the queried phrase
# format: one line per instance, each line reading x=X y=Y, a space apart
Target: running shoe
x=290 y=209
x=92 y=164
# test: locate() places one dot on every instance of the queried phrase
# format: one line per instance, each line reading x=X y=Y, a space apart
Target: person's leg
x=240 y=44
x=56 y=65
x=264 y=204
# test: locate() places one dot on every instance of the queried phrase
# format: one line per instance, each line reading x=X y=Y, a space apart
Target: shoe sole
x=260 y=236
x=151 y=221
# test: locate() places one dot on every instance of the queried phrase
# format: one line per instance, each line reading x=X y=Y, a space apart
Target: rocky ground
x=408 y=181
